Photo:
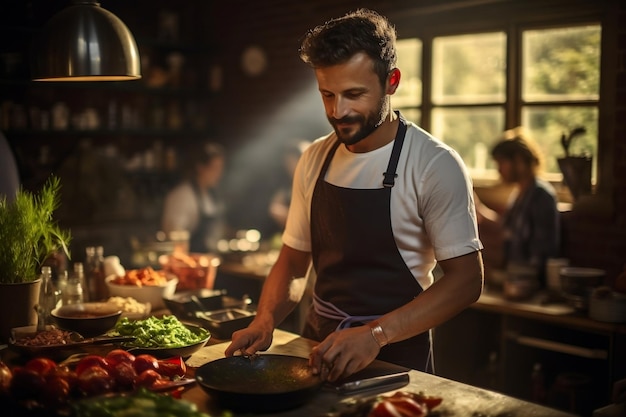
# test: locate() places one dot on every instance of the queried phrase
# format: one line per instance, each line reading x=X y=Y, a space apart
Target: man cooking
x=376 y=205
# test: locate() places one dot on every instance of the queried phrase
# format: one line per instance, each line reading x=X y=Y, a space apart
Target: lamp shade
x=85 y=42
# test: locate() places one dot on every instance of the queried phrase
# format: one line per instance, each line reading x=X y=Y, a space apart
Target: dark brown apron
x=198 y=240
x=360 y=272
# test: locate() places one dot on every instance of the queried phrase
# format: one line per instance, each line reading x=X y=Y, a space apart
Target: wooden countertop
x=556 y=312
x=458 y=399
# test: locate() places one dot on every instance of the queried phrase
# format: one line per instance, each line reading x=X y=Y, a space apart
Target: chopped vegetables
x=166 y=332
x=142 y=403
x=142 y=277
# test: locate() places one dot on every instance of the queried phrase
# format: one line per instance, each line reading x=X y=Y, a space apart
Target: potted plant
x=29 y=236
x=576 y=169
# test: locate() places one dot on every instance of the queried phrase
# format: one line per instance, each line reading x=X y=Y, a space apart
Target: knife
x=378 y=374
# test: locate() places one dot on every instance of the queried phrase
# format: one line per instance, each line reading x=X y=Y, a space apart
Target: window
x=560 y=88
x=408 y=96
x=547 y=80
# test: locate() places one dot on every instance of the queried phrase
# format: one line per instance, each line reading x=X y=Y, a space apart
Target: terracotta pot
x=17 y=306
x=576 y=174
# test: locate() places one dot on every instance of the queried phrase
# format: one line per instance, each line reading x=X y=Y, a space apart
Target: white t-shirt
x=181 y=210
x=432 y=207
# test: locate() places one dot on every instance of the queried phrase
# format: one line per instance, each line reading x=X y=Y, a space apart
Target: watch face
x=253 y=60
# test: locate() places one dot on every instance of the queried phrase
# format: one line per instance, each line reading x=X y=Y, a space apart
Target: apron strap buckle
x=389 y=180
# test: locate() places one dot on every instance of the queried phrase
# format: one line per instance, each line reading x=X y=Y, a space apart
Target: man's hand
x=250 y=340
x=343 y=353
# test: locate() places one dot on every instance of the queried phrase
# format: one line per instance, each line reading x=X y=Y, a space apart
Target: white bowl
x=152 y=294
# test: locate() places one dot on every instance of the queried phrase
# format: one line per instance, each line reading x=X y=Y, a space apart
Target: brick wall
x=601 y=241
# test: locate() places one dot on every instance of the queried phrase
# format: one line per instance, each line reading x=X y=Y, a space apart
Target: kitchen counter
x=458 y=399
x=537 y=309
x=511 y=338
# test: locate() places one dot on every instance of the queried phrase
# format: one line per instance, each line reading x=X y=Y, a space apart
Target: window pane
x=409 y=92
x=413 y=115
x=548 y=123
x=561 y=64
x=469 y=69
x=471 y=132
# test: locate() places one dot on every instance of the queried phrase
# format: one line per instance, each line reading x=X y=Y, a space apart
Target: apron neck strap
x=390 y=175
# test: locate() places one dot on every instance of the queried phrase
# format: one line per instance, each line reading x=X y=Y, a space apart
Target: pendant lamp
x=85 y=42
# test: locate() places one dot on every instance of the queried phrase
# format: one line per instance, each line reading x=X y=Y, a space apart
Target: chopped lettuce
x=153 y=332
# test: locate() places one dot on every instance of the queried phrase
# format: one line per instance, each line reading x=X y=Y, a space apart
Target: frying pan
x=262 y=383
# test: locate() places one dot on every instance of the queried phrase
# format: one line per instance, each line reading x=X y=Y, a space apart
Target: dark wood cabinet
x=498 y=344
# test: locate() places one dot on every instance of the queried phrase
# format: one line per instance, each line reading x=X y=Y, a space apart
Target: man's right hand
x=256 y=337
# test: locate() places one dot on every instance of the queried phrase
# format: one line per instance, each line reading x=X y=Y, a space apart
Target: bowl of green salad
x=162 y=337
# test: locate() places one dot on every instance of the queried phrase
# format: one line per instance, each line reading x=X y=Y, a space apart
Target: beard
x=365 y=124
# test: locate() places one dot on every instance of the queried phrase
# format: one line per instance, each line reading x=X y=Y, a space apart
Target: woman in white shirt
x=194 y=205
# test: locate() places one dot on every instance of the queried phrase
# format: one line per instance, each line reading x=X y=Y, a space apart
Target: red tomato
x=56 y=392
x=408 y=407
x=145 y=362
x=428 y=400
x=26 y=383
x=124 y=375
x=384 y=409
x=5 y=378
x=147 y=378
x=91 y=361
x=65 y=373
x=172 y=367
x=95 y=380
x=119 y=356
x=41 y=365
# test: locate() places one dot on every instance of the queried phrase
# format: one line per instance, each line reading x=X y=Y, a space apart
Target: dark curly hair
x=339 y=39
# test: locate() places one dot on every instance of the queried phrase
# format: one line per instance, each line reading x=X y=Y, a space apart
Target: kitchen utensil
x=377 y=375
x=182 y=305
x=194 y=298
x=77 y=344
x=269 y=383
x=222 y=323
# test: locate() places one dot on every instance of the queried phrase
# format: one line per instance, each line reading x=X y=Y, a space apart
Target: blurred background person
x=9 y=174
x=529 y=226
x=279 y=204
x=194 y=205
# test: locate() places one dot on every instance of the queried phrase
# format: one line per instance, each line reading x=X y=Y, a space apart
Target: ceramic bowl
x=87 y=319
x=152 y=294
x=194 y=271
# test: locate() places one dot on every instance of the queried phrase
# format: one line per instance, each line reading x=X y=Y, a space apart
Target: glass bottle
x=47 y=298
x=538 y=384
x=94 y=272
x=74 y=293
x=61 y=281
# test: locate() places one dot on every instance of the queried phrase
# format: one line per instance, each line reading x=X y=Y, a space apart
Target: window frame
x=513 y=17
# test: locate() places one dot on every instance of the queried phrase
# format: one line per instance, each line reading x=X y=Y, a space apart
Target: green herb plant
x=566 y=141
x=29 y=235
